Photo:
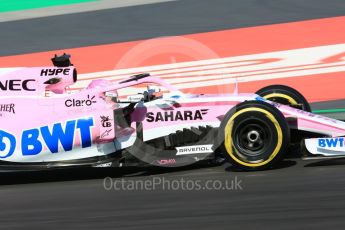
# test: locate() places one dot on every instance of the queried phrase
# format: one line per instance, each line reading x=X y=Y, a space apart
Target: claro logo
x=80 y=103
x=17 y=85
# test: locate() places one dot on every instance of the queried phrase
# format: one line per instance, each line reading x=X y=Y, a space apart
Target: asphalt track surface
x=155 y=20
x=295 y=195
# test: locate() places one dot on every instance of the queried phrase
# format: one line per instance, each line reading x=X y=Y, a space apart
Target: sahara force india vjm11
x=44 y=124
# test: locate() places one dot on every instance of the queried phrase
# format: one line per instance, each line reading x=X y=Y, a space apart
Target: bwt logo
x=331 y=142
x=32 y=140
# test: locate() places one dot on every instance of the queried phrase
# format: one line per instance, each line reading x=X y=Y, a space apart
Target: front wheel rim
x=251 y=139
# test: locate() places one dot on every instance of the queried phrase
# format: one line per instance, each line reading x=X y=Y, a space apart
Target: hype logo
x=7 y=144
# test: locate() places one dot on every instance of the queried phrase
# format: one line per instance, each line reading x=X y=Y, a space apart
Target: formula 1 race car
x=43 y=125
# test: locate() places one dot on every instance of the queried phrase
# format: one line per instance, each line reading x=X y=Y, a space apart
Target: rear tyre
x=284 y=95
x=255 y=135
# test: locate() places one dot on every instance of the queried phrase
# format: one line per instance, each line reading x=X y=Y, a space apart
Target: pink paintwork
x=32 y=109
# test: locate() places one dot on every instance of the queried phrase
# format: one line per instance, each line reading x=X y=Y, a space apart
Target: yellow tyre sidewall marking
x=290 y=99
x=228 y=138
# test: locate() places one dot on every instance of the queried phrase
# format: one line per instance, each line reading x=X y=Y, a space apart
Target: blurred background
x=199 y=46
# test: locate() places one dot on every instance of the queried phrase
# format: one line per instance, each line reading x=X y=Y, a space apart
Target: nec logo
x=16 y=85
x=52 y=72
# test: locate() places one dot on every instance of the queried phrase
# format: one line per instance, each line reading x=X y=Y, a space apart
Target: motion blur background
x=199 y=46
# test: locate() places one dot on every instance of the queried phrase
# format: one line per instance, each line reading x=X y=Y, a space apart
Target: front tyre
x=255 y=135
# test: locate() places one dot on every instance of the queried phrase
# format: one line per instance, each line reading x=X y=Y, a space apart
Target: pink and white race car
x=45 y=125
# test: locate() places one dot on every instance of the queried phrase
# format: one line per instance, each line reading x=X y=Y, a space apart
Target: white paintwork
x=338 y=149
